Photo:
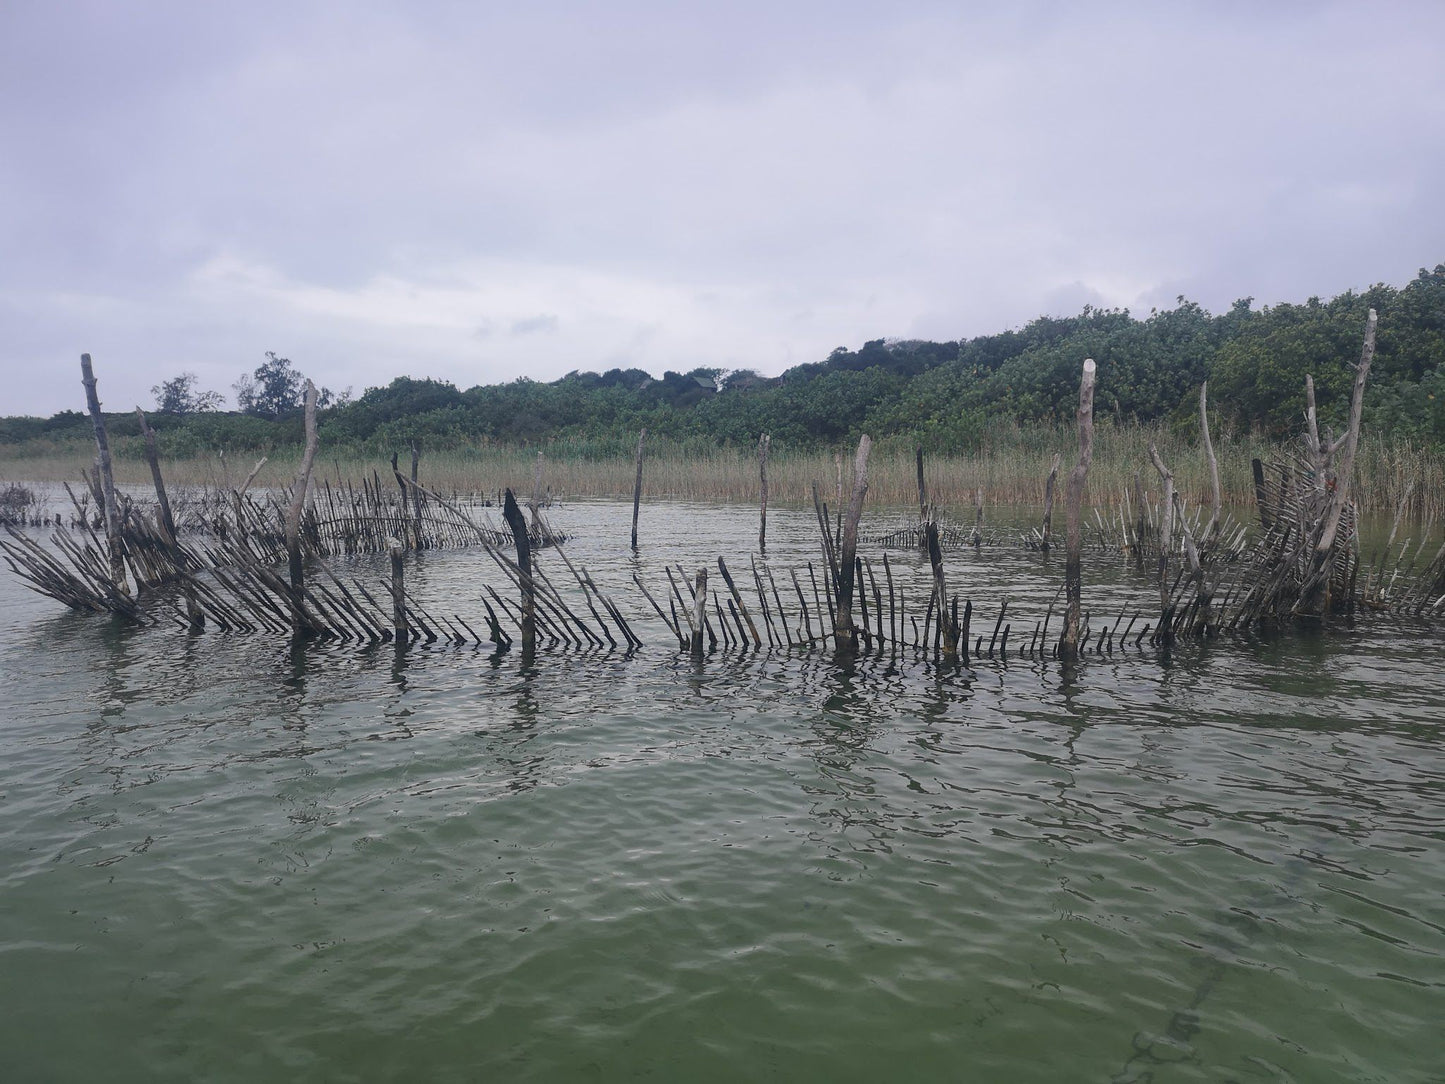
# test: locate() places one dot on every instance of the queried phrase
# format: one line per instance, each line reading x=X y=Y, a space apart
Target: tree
x=179 y=396
x=274 y=389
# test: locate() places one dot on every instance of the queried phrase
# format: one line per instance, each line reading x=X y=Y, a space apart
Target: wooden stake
x=195 y=616
x=637 y=487
x=1314 y=595
x=738 y=598
x=513 y=515
x=923 y=516
x=1073 y=572
x=398 y=592
x=1049 y=504
x=115 y=544
x=844 y=634
x=293 y=518
x=1211 y=532
x=1166 y=536
x=764 y=442
x=1261 y=501
x=536 y=502
x=699 y=612
x=940 y=594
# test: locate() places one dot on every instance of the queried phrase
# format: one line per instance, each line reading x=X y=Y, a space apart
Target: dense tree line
x=948 y=395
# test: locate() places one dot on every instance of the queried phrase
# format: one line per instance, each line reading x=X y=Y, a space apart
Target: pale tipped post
x=299 y=622
x=398 y=590
x=699 y=612
x=115 y=543
x=1073 y=568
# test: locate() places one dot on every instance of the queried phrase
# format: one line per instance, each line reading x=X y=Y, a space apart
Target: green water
x=222 y=858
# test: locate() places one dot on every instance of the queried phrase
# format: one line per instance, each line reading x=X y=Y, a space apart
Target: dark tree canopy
x=180 y=396
x=948 y=395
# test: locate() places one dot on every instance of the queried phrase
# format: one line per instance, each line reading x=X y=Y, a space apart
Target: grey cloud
x=746 y=187
x=534 y=325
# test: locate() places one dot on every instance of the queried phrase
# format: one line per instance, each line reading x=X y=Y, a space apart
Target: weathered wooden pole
x=699 y=612
x=1141 y=521
x=1048 y=529
x=637 y=487
x=1261 y=499
x=416 y=491
x=844 y=634
x=536 y=503
x=299 y=623
x=1203 y=592
x=738 y=598
x=1211 y=532
x=1319 y=451
x=1165 y=634
x=1073 y=568
x=923 y=516
x=940 y=592
x=1315 y=595
x=513 y=515
x=398 y=590
x=195 y=616
x=764 y=444
x=413 y=538
x=115 y=544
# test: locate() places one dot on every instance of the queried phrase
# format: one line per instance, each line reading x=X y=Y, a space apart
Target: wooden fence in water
x=261 y=563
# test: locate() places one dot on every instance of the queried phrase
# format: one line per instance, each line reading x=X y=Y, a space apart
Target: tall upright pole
x=637 y=487
x=1073 y=568
x=115 y=544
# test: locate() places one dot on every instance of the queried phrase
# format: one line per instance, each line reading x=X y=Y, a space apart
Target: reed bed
x=1010 y=469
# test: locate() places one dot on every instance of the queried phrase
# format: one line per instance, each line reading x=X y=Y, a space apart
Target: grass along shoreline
x=1011 y=473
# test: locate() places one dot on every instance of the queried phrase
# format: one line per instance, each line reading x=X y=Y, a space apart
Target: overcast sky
x=475 y=192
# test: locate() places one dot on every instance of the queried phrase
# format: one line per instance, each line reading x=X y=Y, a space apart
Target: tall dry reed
x=1010 y=469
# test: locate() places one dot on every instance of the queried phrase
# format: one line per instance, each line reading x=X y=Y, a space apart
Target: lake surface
x=225 y=858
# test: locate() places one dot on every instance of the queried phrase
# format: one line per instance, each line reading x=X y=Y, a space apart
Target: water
x=224 y=858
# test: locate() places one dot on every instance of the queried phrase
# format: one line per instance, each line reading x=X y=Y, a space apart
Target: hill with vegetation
x=947 y=396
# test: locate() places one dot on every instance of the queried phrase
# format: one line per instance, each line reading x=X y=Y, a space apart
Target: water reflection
x=1184 y=867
